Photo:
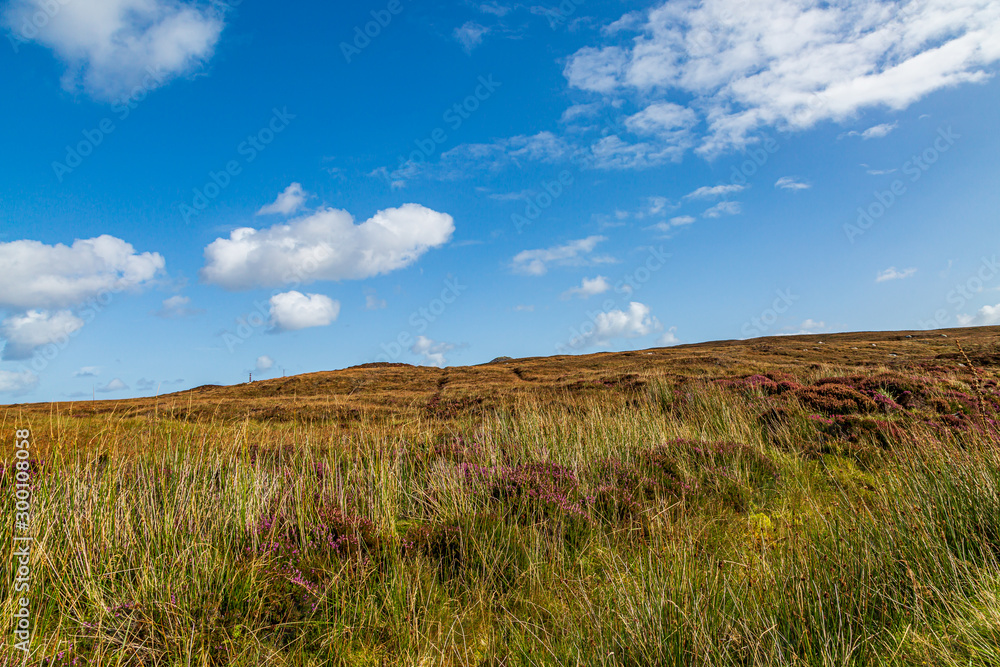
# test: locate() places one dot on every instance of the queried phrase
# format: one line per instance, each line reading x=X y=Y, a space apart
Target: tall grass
x=672 y=528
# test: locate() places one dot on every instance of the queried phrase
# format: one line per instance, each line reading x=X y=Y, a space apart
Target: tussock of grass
x=679 y=523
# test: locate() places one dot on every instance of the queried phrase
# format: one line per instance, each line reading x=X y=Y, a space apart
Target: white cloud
x=789 y=183
x=598 y=70
x=574 y=253
x=372 y=302
x=874 y=132
x=113 y=47
x=325 y=245
x=984 y=317
x=790 y=64
x=892 y=273
x=24 y=333
x=17 y=382
x=657 y=205
x=291 y=311
x=614 y=324
x=812 y=326
x=669 y=338
x=289 y=201
x=35 y=275
x=590 y=287
x=494 y=8
x=88 y=372
x=671 y=123
x=176 y=307
x=470 y=35
x=524 y=309
x=628 y=22
x=431 y=351
x=710 y=192
x=723 y=208
x=264 y=363
x=681 y=220
x=113 y=386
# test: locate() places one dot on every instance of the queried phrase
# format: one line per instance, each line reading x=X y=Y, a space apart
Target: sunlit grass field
x=758 y=519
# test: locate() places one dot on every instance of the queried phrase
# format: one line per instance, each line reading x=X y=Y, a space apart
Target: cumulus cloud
x=111 y=387
x=790 y=64
x=36 y=275
x=574 y=253
x=892 y=273
x=590 y=287
x=681 y=220
x=111 y=48
x=723 y=208
x=291 y=311
x=597 y=69
x=289 y=201
x=325 y=245
x=669 y=338
x=264 y=363
x=984 y=317
x=17 y=382
x=711 y=192
x=432 y=351
x=789 y=183
x=614 y=324
x=88 y=372
x=25 y=333
x=666 y=120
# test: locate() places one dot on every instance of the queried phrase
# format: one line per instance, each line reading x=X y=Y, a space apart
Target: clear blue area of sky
x=354 y=120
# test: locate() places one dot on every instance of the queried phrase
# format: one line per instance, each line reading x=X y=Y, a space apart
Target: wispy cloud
x=711 y=192
x=588 y=288
x=574 y=253
x=874 y=132
x=892 y=273
x=790 y=183
x=723 y=208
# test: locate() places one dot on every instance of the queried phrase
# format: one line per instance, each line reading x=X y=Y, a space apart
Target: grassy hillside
x=807 y=500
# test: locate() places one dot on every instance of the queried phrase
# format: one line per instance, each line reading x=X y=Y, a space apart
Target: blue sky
x=193 y=192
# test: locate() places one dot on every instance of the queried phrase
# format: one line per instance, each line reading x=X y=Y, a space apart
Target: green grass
x=618 y=532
